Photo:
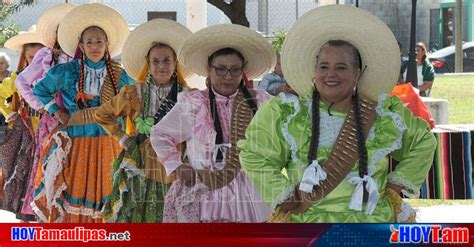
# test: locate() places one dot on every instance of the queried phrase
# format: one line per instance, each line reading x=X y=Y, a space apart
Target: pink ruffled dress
x=190 y=121
x=24 y=84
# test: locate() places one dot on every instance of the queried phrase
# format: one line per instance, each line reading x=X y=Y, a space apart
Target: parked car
x=443 y=59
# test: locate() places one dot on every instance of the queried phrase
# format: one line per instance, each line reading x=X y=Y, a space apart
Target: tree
x=279 y=39
x=8 y=28
x=235 y=10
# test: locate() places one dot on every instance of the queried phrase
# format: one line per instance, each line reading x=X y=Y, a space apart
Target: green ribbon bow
x=144 y=125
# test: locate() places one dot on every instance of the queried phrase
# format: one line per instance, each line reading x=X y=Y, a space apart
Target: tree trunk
x=234 y=10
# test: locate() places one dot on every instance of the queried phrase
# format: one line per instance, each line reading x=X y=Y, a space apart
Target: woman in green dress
x=139 y=180
x=324 y=158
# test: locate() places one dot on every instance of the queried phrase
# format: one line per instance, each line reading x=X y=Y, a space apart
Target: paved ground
x=433 y=214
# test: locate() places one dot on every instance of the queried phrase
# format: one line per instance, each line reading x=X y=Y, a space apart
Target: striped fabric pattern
x=451 y=175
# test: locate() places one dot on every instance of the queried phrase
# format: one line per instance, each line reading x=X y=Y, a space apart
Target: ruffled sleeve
x=264 y=153
x=124 y=104
x=53 y=82
x=32 y=74
x=416 y=153
x=7 y=88
x=175 y=128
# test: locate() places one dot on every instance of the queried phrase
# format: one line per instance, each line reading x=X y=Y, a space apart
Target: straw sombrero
x=94 y=14
x=140 y=40
x=257 y=51
x=16 y=42
x=48 y=22
x=377 y=46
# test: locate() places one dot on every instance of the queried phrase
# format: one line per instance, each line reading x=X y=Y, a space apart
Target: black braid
x=249 y=98
x=56 y=53
x=360 y=136
x=313 y=146
x=217 y=123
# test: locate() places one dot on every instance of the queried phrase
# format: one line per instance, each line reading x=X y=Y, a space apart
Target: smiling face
x=225 y=73
x=335 y=73
x=93 y=43
x=161 y=63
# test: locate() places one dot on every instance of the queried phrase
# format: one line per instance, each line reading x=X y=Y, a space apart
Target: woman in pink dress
x=44 y=59
x=211 y=186
x=16 y=144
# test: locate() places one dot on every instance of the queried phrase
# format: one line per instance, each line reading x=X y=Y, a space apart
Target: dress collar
x=222 y=97
x=95 y=65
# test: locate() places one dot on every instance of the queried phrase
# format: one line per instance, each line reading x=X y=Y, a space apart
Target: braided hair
x=81 y=101
x=249 y=99
x=361 y=145
x=110 y=71
x=314 y=143
x=56 y=53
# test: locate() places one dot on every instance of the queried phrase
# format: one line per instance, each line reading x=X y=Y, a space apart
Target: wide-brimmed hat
x=49 y=21
x=375 y=42
x=140 y=41
x=94 y=14
x=16 y=42
x=257 y=51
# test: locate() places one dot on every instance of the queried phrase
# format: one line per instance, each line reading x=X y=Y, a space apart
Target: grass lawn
x=459 y=91
x=437 y=202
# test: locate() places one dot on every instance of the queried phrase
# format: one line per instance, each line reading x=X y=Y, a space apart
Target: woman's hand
x=62 y=117
x=186 y=174
x=11 y=117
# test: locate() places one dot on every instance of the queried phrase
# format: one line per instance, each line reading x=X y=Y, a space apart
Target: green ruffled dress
x=274 y=156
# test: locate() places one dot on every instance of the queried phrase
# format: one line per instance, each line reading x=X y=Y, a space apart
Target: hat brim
x=87 y=15
x=375 y=42
x=16 y=42
x=257 y=51
x=140 y=40
x=49 y=21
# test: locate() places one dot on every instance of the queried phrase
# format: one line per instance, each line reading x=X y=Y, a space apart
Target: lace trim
x=414 y=191
x=38 y=212
x=381 y=153
x=285 y=194
x=117 y=206
x=193 y=195
x=284 y=129
x=131 y=171
x=94 y=79
x=405 y=212
x=53 y=165
x=56 y=204
x=82 y=211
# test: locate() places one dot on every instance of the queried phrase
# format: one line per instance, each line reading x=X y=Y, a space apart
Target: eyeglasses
x=222 y=71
